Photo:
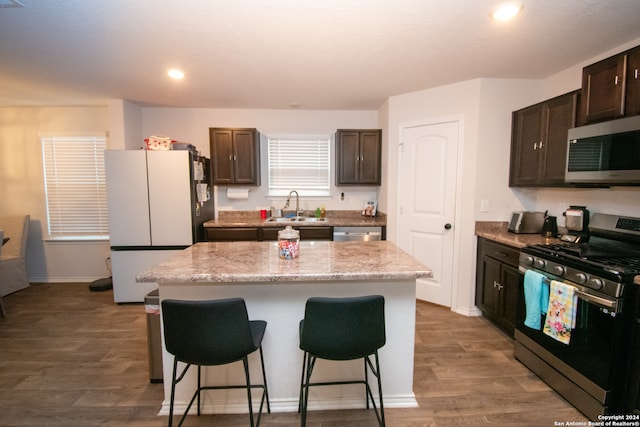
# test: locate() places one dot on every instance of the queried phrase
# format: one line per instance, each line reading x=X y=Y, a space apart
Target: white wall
x=192 y=125
x=22 y=189
x=485 y=106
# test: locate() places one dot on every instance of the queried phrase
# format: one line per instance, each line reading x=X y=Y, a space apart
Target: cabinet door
x=510 y=281
x=222 y=155
x=603 y=89
x=316 y=233
x=525 y=146
x=347 y=153
x=632 y=103
x=489 y=294
x=370 y=157
x=539 y=142
x=231 y=234
x=559 y=114
x=246 y=157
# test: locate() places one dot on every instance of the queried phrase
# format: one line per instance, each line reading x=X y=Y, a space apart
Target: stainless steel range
x=586 y=360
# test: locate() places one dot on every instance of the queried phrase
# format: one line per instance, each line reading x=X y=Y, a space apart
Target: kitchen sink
x=295 y=219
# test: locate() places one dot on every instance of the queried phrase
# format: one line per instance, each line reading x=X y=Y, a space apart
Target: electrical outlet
x=484 y=206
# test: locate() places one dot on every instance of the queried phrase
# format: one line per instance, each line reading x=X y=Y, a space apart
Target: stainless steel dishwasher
x=361 y=234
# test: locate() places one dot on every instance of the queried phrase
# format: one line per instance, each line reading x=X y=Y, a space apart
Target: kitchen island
x=276 y=290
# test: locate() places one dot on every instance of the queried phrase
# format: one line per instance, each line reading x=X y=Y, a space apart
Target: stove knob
x=581 y=278
x=558 y=270
x=539 y=263
x=527 y=259
x=596 y=283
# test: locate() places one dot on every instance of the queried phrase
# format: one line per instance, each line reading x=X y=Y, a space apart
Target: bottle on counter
x=323 y=213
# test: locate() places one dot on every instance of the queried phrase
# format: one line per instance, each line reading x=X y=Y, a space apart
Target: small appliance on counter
x=550 y=226
x=577 y=224
x=526 y=222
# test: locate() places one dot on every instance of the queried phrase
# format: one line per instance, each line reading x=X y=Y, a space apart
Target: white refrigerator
x=157 y=203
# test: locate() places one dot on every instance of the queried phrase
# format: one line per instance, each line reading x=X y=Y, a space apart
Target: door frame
x=455 y=274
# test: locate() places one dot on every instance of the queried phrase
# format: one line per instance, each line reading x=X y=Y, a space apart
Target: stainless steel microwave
x=605 y=153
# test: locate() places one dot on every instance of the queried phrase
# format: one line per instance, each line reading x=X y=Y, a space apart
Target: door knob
x=447 y=226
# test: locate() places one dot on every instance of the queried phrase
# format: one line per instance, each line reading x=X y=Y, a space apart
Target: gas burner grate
x=622 y=264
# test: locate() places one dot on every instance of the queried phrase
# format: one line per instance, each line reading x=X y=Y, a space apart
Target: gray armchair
x=13 y=268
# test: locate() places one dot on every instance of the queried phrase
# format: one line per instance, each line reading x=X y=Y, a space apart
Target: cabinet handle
x=635 y=73
x=535 y=146
x=540 y=145
x=230 y=157
x=615 y=82
x=497 y=285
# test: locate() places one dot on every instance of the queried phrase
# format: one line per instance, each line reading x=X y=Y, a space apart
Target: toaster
x=526 y=222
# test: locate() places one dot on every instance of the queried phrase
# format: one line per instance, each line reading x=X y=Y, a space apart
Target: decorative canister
x=288 y=243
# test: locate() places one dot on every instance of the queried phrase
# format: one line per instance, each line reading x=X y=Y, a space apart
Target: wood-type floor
x=71 y=357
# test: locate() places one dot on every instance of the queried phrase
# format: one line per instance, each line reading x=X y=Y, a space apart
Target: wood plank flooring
x=71 y=357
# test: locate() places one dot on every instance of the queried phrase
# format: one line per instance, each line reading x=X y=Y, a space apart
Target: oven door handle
x=612 y=305
x=603 y=302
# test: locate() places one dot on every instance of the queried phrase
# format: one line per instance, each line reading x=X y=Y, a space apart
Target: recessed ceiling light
x=506 y=11
x=176 y=74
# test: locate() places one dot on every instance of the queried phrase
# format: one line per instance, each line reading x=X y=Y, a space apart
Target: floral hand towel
x=561 y=314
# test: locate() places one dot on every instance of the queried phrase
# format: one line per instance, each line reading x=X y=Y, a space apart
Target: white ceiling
x=318 y=54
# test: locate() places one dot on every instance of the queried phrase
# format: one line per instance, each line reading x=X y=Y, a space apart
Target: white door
x=428 y=158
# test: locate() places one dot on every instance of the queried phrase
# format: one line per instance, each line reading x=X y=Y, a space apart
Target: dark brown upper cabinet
x=235 y=156
x=611 y=88
x=358 y=157
x=539 y=142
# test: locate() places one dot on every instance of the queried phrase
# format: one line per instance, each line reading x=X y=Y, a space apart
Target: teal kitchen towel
x=536 y=298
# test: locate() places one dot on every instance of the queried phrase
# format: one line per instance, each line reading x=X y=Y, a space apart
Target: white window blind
x=75 y=187
x=300 y=164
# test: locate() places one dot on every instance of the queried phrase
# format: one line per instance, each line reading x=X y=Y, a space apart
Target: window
x=300 y=164
x=75 y=187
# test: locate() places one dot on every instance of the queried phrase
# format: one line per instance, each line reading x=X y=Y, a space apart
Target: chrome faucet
x=286 y=204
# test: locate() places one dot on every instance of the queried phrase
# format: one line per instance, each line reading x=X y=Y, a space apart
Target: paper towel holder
x=237 y=193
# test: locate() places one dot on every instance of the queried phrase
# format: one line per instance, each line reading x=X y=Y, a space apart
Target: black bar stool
x=342 y=329
x=214 y=332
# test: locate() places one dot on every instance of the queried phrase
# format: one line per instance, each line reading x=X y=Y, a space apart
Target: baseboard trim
x=239 y=406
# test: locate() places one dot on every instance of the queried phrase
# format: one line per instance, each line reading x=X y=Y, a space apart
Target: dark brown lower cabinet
x=236 y=234
x=232 y=234
x=498 y=283
x=306 y=233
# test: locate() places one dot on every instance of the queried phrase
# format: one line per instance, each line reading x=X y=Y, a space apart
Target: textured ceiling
x=329 y=54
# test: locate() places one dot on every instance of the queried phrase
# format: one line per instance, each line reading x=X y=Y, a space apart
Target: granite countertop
x=332 y=219
x=259 y=262
x=497 y=232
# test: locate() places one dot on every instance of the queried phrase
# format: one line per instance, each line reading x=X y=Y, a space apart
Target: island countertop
x=319 y=261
